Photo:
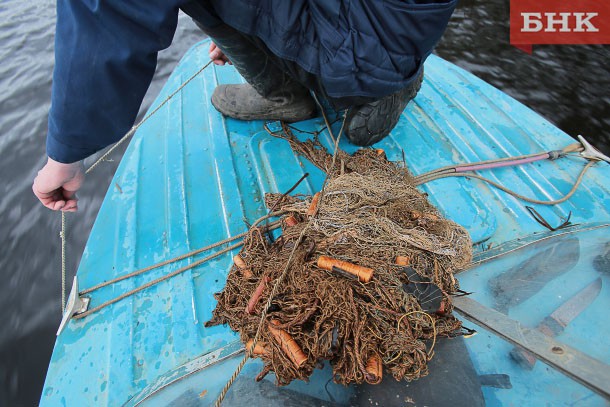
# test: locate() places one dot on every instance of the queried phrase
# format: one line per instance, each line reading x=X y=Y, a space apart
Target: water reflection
x=566 y=84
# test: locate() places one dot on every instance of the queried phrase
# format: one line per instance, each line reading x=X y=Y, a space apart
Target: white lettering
x=563 y=21
x=581 y=22
x=531 y=22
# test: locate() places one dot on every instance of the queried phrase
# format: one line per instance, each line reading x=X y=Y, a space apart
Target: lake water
x=567 y=84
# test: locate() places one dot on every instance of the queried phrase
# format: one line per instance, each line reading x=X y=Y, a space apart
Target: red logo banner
x=559 y=22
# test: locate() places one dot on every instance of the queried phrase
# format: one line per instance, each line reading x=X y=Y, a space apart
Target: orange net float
x=381 y=153
x=256 y=295
x=364 y=274
x=259 y=350
x=374 y=370
x=422 y=215
x=314 y=204
x=291 y=221
x=288 y=344
x=242 y=266
x=403 y=260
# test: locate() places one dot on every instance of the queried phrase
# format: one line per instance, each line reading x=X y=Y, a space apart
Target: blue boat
x=191 y=177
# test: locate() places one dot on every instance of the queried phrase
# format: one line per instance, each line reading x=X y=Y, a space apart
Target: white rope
x=62 y=236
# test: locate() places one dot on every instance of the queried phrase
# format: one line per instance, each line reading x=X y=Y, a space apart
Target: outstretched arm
x=105 y=57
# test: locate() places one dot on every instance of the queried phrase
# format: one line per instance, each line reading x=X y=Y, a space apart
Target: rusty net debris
x=369 y=286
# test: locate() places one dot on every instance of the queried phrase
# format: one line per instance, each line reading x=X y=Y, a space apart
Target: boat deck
x=191 y=177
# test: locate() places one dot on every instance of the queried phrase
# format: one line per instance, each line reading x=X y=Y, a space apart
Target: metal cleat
x=76 y=305
x=590 y=152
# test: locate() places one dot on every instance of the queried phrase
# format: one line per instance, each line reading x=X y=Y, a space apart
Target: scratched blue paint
x=543 y=385
x=191 y=177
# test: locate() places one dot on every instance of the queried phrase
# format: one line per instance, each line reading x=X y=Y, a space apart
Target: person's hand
x=217 y=56
x=57 y=183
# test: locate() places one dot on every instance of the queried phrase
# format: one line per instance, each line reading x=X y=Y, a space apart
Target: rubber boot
x=270 y=93
x=371 y=122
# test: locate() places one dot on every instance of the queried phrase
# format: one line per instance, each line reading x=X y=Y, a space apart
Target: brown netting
x=369 y=213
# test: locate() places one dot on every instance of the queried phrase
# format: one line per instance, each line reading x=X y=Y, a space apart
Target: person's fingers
x=70 y=207
x=218 y=56
x=42 y=188
x=48 y=199
x=41 y=195
x=49 y=203
x=36 y=189
x=57 y=205
x=56 y=199
x=219 y=60
x=71 y=203
x=215 y=52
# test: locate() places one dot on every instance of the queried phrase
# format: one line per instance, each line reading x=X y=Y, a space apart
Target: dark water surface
x=567 y=84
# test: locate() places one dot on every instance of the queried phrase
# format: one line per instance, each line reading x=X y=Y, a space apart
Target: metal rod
x=573 y=363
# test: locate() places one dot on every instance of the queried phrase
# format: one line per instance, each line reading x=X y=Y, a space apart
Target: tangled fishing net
x=371 y=216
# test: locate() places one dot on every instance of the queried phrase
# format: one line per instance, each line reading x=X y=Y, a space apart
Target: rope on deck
x=127 y=135
x=466 y=171
x=510 y=191
x=273 y=225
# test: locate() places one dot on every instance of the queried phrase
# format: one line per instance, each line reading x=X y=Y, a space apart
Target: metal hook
x=590 y=152
x=76 y=305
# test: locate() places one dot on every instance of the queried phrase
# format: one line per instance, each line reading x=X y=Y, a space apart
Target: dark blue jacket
x=106 y=53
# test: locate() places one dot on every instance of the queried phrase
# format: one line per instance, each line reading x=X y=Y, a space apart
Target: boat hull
x=191 y=177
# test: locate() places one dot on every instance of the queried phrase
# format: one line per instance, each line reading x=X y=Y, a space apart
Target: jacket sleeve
x=105 y=57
